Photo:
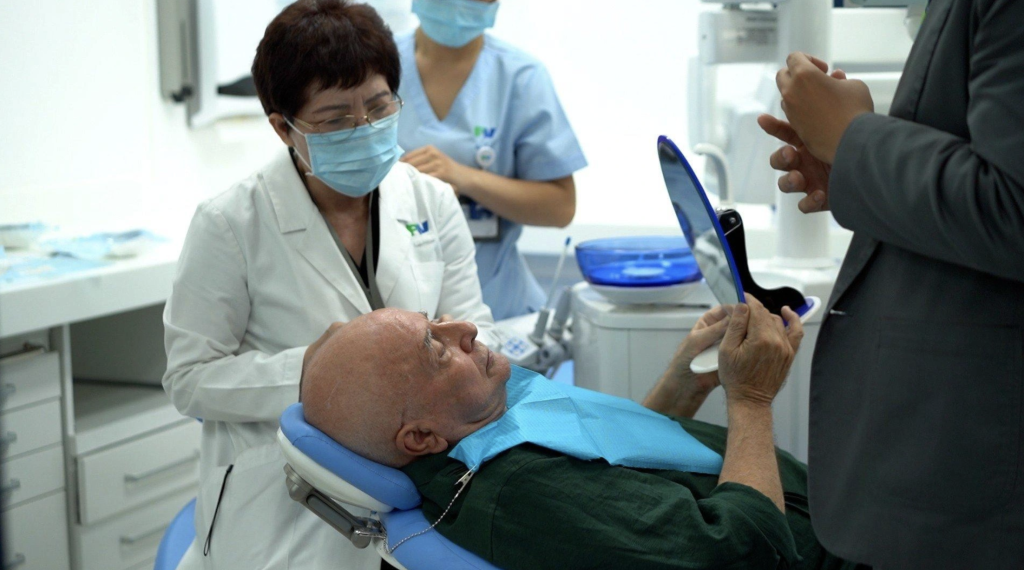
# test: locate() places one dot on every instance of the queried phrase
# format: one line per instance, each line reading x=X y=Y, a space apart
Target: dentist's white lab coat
x=259 y=279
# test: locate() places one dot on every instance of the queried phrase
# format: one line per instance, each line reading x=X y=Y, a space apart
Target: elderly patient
x=402 y=390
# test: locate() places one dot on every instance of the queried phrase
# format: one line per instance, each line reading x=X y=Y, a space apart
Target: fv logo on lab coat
x=418 y=229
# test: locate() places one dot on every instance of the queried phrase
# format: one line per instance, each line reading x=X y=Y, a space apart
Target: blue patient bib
x=586 y=425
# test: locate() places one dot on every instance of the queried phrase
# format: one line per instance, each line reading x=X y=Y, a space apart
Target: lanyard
x=369 y=289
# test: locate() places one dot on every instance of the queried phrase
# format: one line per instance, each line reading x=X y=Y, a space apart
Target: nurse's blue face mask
x=353 y=160
x=454 y=23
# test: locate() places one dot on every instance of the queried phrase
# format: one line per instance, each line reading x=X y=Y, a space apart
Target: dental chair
x=326 y=478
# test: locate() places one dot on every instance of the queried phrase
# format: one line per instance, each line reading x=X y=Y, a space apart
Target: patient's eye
x=440 y=349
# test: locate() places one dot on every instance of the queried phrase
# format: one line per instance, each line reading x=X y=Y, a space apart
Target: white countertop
x=121 y=286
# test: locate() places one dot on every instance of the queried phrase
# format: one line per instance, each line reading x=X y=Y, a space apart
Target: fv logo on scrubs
x=418 y=229
x=486 y=132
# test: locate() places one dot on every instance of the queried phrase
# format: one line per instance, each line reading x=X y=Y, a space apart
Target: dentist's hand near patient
x=753 y=362
x=819 y=107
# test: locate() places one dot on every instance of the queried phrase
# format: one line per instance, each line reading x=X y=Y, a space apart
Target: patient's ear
x=417 y=440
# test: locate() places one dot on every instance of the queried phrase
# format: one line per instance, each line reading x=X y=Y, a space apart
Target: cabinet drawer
x=32 y=475
x=29 y=429
x=131 y=539
x=28 y=378
x=121 y=478
x=36 y=535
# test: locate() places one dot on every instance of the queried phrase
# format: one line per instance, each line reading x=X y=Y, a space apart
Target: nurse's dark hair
x=319 y=44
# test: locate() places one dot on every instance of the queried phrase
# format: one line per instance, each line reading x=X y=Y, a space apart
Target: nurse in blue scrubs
x=483 y=116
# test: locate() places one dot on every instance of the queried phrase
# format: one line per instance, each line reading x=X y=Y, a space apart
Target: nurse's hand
x=820 y=106
x=431 y=161
x=804 y=173
x=757 y=352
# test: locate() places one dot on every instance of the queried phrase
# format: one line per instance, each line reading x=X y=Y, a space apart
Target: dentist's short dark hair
x=319 y=44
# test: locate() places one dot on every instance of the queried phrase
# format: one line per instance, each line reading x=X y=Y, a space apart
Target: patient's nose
x=464 y=332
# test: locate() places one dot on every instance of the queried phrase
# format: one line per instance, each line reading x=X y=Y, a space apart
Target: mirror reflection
x=695 y=220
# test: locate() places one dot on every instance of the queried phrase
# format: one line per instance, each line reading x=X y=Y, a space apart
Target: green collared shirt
x=531 y=508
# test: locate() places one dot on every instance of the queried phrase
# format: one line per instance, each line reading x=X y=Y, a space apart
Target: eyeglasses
x=348 y=123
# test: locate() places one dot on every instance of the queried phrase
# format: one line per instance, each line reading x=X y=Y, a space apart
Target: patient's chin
x=501 y=369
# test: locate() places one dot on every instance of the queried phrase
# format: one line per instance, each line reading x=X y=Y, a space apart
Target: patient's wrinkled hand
x=757 y=352
x=679 y=391
x=710 y=328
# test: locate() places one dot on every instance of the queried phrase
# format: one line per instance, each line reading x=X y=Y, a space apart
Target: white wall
x=88 y=142
x=620 y=71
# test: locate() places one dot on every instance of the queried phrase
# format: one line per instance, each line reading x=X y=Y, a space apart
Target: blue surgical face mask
x=454 y=23
x=353 y=162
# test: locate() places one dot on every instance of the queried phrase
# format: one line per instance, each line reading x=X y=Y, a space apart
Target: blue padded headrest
x=385 y=484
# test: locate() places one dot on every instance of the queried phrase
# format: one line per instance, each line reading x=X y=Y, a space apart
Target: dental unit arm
x=538 y=347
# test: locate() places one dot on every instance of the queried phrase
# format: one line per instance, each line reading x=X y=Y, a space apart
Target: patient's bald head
x=393 y=386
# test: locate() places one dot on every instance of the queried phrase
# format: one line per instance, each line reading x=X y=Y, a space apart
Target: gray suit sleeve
x=938 y=195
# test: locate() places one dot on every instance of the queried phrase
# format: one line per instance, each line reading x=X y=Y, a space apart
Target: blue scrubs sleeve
x=546 y=148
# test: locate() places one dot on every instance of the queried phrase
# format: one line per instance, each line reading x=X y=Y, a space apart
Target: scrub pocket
x=945 y=402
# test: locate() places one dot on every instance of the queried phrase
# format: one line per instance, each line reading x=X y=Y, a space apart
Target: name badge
x=485 y=156
x=484 y=225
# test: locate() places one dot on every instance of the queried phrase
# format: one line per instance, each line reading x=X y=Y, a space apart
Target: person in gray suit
x=917 y=433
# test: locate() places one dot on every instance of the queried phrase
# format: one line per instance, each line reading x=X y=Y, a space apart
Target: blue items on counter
x=586 y=425
x=105 y=245
x=27 y=269
x=21 y=236
x=649 y=261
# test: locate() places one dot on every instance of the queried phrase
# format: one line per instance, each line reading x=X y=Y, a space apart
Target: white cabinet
x=131 y=539
x=30 y=428
x=32 y=470
x=28 y=378
x=90 y=473
x=36 y=535
x=137 y=465
x=31 y=476
x=130 y=475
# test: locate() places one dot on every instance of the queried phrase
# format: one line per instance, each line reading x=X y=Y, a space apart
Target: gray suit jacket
x=917 y=388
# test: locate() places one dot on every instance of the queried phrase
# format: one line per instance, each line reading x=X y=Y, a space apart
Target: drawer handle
x=6 y=391
x=136 y=477
x=18 y=560
x=130 y=540
x=10 y=486
x=29 y=350
x=8 y=438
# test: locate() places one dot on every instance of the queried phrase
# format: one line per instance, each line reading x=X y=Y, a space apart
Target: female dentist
x=483 y=116
x=332 y=228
